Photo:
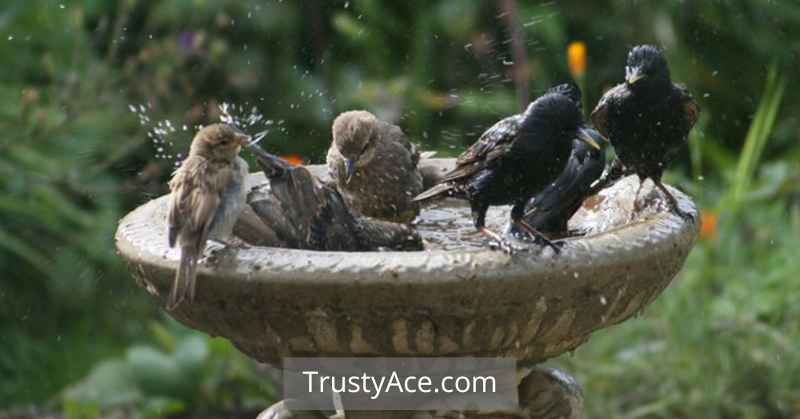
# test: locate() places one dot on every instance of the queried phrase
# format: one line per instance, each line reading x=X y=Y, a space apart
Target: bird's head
x=353 y=135
x=219 y=142
x=569 y=90
x=558 y=117
x=646 y=67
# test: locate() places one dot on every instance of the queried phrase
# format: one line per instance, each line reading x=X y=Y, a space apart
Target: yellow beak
x=633 y=74
x=588 y=136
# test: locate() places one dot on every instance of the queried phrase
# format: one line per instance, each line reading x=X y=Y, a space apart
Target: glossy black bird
x=569 y=90
x=513 y=161
x=550 y=210
x=647 y=119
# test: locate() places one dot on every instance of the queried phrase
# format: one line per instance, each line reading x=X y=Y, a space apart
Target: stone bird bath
x=533 y=305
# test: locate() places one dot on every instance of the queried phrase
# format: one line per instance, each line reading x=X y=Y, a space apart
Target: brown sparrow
x=208 y=195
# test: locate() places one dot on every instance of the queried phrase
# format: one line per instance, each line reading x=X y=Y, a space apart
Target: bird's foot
x=673 y=203
x=577 y=232
x=233 y=243
x=540 y=238
x=686 y=216
x=503 y=245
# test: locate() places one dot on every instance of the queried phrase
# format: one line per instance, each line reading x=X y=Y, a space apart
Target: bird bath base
x=533 y=305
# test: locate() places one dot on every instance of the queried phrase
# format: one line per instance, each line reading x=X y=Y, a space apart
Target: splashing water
x=246 y=120
x=164 y=134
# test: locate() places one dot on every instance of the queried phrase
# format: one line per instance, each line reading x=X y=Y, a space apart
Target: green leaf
x=111 y=383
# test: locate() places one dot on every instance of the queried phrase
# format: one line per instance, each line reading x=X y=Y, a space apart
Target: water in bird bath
x=447 y=225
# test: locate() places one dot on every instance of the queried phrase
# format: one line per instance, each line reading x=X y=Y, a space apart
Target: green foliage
x=185 y=370
x=757 y=135
x=722 y=342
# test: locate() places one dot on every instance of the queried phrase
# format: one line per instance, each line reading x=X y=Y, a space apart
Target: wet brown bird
x=374 y=166
x=207 y=197
x=306 y=213
x=647 y=119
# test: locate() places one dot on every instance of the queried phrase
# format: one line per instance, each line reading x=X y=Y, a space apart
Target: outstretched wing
x=495 y=142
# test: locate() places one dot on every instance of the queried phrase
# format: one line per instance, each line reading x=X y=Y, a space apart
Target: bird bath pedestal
x=274 y=303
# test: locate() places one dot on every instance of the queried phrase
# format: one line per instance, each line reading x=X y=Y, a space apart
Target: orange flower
x=293 y=159
x=708 y=225
x=576 y=58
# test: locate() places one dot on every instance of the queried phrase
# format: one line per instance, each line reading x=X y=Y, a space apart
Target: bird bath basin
x=533 y=305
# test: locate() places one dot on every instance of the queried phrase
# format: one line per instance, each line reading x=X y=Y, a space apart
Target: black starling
x=550 y=210
x=647 y=118
x=512 y=161
x=374 y=167
x=302 y=212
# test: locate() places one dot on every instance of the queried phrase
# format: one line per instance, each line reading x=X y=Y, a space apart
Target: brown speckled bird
x=306 y=213
x=374 y=166
x=207 y=197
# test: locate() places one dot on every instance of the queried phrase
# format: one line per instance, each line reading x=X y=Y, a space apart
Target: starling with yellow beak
x=647 y=118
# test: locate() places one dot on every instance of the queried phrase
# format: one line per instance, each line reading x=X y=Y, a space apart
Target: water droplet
x=61 y=6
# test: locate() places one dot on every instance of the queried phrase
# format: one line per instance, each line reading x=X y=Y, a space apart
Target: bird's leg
x=517 y=218
x=479 y=219
x=673 y=203
x=556 y=246
x=637 y=206
x=612 y=175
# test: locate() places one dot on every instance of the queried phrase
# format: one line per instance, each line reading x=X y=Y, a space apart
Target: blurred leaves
x=721 y=342
x=156 y=381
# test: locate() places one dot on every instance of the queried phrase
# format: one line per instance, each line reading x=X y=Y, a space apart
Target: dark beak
x=633 y=74
x=591 y=137
x=349 y=169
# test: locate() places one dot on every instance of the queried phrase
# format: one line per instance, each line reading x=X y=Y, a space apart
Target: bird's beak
x=591 y=137
x=349 y=169
x=242 y=139
x=633 y=74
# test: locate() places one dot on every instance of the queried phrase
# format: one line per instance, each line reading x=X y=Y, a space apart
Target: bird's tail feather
x=183 y=286
x=439 y=191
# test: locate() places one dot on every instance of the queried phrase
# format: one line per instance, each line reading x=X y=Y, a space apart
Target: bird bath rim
x=533 y=305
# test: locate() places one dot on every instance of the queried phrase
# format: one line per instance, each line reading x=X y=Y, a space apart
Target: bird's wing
x=691 y=109
x=493 y=143
x=600 y=113
x=585 y=165
x=196 y=189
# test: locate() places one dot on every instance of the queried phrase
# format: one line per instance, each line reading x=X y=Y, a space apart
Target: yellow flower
x=576 y=58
